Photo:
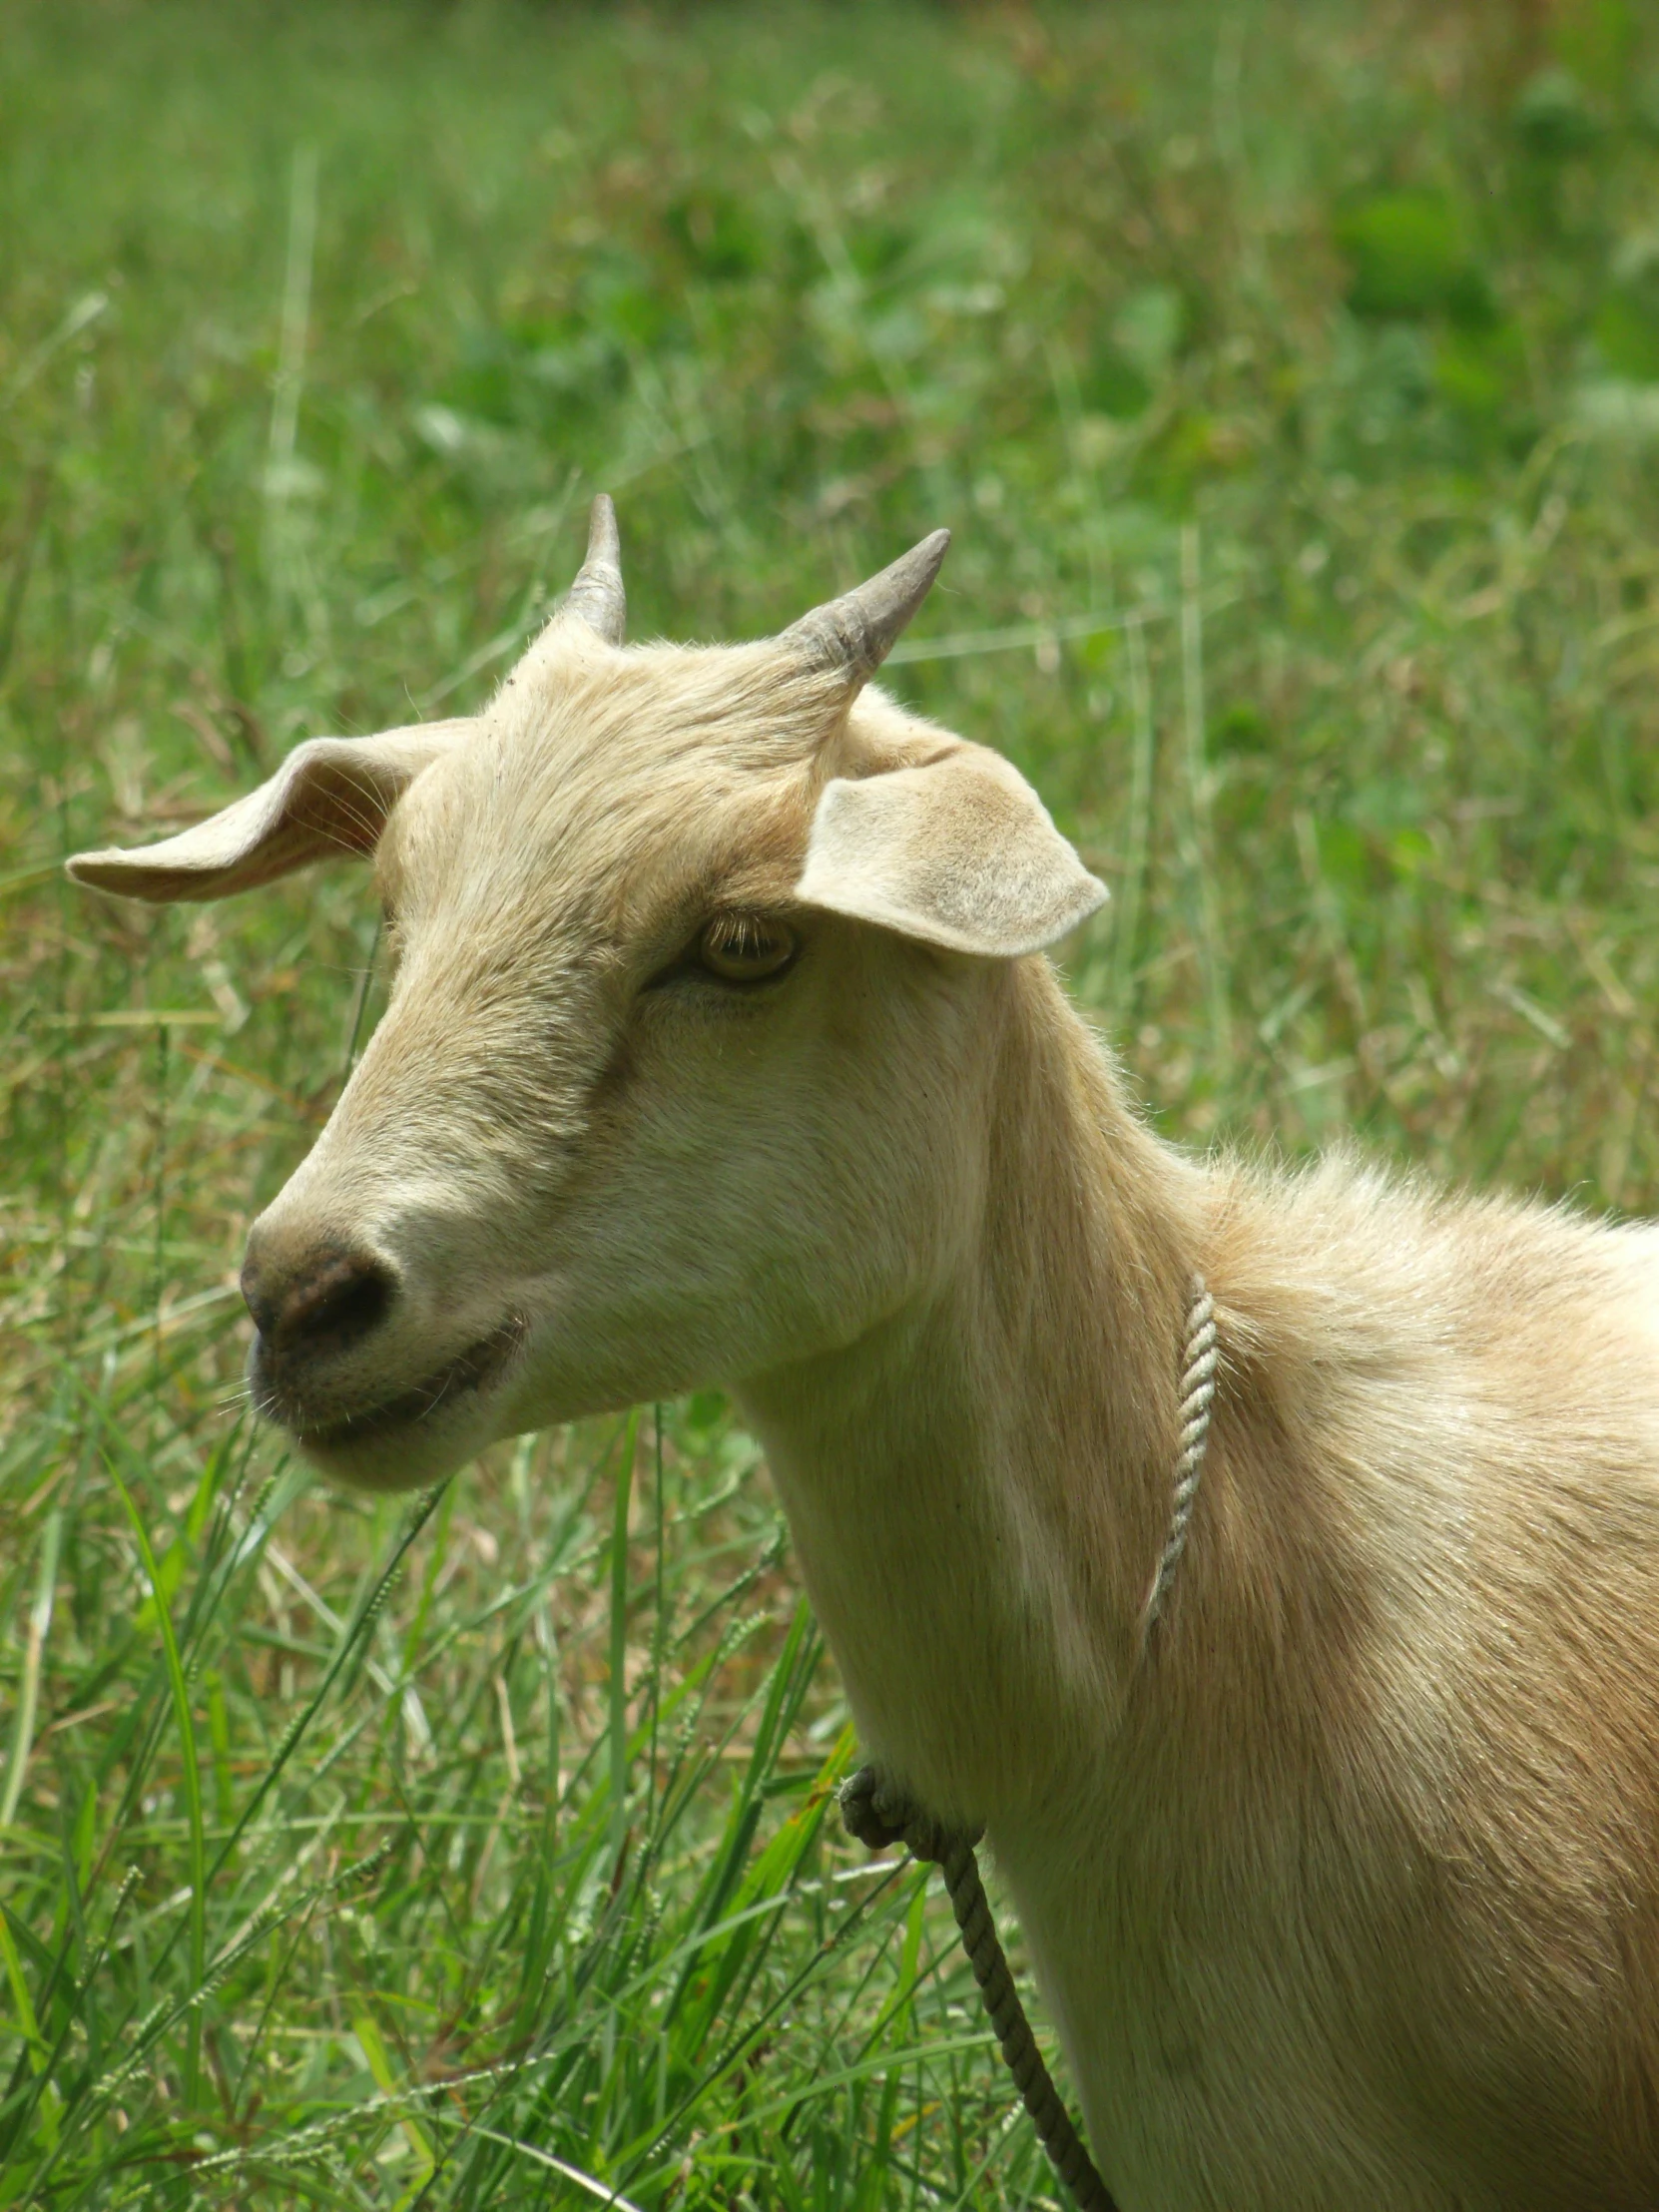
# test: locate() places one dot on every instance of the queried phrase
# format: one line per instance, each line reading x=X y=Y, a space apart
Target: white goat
x=716 y=1055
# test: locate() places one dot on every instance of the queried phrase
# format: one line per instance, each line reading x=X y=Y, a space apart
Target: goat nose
x=326 y=1296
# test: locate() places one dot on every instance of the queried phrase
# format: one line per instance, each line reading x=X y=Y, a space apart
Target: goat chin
x=409 y=1456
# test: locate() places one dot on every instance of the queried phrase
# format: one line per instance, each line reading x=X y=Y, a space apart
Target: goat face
x=695 y=949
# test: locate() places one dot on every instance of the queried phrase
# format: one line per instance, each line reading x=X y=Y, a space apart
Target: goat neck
x=978 y=1487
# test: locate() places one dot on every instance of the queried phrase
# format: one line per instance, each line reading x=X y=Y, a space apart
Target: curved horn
x=596 y=596
x=857 y=630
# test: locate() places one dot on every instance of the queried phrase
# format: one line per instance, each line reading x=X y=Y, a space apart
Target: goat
x=720 y=1050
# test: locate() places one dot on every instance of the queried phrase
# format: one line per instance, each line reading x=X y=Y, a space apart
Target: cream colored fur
x=1346 y=1894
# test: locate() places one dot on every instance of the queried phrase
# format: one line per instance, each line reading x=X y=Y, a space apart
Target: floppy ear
x=330 y=795
x=960 y=853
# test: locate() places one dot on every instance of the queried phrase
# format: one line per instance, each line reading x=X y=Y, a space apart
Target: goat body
x=1345 y=1891
x=721 y=1051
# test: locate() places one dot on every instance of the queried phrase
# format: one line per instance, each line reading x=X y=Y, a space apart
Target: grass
x=1291 y=376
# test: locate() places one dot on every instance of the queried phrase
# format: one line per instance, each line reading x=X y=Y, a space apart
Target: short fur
x=1345 y=1891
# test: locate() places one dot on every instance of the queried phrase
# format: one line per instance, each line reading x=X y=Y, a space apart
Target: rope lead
x=878 y=1814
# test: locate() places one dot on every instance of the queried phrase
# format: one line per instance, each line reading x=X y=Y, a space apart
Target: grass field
x=1289 y=374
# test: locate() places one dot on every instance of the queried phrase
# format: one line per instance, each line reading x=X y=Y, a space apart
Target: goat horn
x=857 y=630
x=596 y=596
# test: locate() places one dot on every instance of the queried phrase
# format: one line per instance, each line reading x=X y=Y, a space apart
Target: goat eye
x=746 y=949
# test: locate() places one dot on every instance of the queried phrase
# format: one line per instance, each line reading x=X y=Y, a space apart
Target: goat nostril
x=350 y=1299
x=331 y=1297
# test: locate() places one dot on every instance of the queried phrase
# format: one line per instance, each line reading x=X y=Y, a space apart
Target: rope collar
x=878 y=1813
x=1199 y=1360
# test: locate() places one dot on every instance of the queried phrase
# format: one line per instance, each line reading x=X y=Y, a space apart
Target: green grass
x=1289 y=374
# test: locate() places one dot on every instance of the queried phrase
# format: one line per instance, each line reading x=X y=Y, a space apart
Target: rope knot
x=878 y=1814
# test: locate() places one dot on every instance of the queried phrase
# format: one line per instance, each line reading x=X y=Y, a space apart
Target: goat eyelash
x=734 y=938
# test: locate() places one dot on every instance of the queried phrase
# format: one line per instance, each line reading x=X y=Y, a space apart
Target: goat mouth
x=481 y=1363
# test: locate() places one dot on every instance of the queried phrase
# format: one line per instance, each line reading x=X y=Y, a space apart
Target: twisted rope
x=1198 y=1395
x=880 y=1814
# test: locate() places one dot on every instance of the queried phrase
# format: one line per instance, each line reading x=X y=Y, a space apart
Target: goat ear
x=330 y=795
x=960 y=853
